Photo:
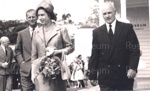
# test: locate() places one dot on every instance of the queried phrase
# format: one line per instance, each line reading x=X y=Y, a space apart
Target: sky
x=16 y=9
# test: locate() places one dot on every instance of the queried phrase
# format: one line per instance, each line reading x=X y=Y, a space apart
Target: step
x=142 y=83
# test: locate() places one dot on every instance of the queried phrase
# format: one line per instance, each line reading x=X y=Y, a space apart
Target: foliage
x=20 y=27
x=5 y=25
x=93 y=20
x=11 y=28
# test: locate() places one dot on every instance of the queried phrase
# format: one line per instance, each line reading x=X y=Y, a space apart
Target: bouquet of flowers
x=50 y=67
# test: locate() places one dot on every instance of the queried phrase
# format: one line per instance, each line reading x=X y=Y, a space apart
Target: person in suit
x=51 y=40
x=115 y=53
x=6 y=56
x=23 y=50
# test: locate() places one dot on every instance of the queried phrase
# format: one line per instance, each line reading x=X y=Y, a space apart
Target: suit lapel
x=118 y=29
x=40 y=33
x=105 y=35
x=53 y=32
x=117 y=33
x=105 y=40
x=3 y=54
x=1 y=49
x=28 y=36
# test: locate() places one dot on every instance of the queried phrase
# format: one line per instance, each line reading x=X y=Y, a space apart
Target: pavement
x=72 y=89
x=141 y=84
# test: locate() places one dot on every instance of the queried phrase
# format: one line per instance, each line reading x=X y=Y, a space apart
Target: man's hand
x=93 y=82
x=131 y=73
x=5 y=65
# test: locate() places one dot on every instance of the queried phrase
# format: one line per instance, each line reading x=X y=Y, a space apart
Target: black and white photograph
x=75 y=45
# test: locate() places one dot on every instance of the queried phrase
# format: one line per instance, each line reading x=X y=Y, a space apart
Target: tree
x=11 y=28
x=93 y=19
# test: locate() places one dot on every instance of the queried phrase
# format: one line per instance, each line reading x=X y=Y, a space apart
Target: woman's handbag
x=65 y=71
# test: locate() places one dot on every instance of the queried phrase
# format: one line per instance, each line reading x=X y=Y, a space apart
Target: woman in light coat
x=49 y=35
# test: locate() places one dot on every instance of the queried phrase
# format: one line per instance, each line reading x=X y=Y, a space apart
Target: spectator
x=6 y=57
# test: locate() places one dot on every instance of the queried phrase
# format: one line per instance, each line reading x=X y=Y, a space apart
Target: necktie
x=6 y=51
x=110 y=32
x=32 y=33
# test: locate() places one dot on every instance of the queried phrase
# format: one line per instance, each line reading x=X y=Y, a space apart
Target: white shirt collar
x=30 y=30
x=113 y=24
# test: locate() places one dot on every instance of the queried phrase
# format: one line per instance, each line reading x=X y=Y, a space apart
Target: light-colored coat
x=59 y=39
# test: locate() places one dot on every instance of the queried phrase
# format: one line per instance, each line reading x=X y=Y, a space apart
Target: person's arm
x=68 y=46
x=134 y=50
x=93 y=62
x=18 y=49
x=134 y=53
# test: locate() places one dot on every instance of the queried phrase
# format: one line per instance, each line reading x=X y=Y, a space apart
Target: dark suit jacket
x=23 y=51
x=4 y=58
x=113 y=59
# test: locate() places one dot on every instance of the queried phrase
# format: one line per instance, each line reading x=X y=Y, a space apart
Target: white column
x=101 y=20
x=149 y=12
x=123 y=11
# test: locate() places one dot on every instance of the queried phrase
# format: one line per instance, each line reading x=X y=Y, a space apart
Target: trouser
x=6 y=83
x=117 y=88
x=81 y=83
x=26 y=83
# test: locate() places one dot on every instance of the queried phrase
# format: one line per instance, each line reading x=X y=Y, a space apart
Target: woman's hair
x=51 y=14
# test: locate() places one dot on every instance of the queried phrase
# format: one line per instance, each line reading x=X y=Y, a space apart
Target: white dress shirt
x=113 y=24
x=31 y=30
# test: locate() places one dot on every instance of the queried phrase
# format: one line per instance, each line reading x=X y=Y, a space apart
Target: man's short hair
x=108 y=3
x=30 y=10
x=3 y=38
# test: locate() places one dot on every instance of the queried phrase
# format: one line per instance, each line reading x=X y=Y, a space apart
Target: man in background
x=23 y=51
x=6 y=56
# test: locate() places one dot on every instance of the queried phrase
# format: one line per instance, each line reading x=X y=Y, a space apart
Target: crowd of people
x=79 y=72
x=44 y=43
x=67 y=18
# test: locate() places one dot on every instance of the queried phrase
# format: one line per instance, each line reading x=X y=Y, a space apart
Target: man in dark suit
x=6 y=56
x=115 y=53
x=23 y=51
